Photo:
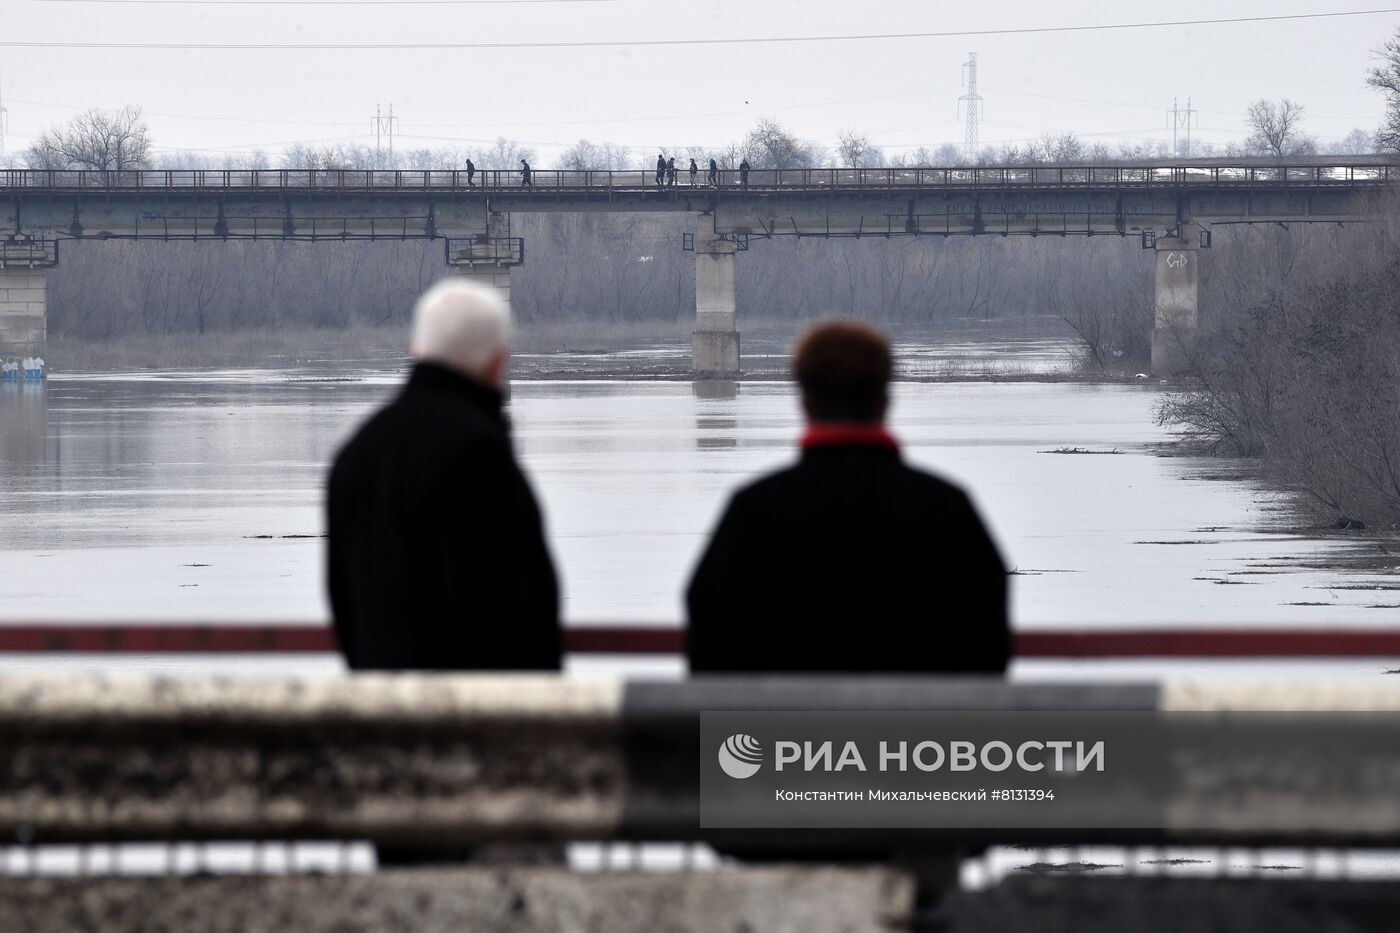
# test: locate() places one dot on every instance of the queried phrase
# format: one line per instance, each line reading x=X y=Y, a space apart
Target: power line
x=325 y=2
x=498 y=123
x=4 y=120
x=1122 y=103
x=637 y=43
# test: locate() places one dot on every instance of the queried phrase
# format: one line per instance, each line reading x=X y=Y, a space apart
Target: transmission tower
x=382 y=126
x=1181 y=119
x=973 y=100
x=4 y=124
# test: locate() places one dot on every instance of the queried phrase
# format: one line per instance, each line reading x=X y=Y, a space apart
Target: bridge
x=1171 y=208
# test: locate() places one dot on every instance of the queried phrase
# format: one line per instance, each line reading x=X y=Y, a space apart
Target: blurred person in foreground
x=436 y=553
x=850 y=560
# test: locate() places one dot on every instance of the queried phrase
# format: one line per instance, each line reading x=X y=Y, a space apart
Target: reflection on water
x=715 y=388
x=198 y=496
x=24 y=423
x=713 y=433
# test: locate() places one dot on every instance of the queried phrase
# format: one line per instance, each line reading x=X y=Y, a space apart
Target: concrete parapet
x=1115 y=904
x=465 y=759
x=503 y=900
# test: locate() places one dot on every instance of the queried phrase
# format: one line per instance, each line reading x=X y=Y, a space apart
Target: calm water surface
x=196 y=495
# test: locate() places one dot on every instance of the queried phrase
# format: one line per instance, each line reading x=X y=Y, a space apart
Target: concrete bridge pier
x=715 y=342
x=487 y=273
x=487 y=259
x=1176 y=322
x=24 y=266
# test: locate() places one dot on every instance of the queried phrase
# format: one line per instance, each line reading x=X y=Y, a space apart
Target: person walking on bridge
x=714 y=174
x=744 y=174
x=660 y=171
x=671 y=172
x=527 y=179
x=694 y=171
x=436 y=556
x=471 y=173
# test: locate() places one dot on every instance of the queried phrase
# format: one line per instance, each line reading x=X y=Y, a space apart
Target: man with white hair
x=436 y=556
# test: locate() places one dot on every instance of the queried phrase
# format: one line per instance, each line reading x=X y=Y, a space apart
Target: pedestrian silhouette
x=436 y=557
x=526 y=177
x=851 y=559
x=671 y=172
x=744 y=173
x=436 y=553
x=471 y=173
x=714 y=174
x=694 y=170
x=660 y=171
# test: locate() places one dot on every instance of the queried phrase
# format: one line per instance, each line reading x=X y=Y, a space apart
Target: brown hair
x=844 y=370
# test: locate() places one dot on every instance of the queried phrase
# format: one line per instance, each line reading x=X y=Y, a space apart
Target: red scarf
x=848 y=434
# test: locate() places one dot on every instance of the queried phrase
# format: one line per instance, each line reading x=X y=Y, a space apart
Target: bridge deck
x=1243 y=175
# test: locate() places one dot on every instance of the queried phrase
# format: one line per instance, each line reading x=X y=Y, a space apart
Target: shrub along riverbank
x=1307 y=378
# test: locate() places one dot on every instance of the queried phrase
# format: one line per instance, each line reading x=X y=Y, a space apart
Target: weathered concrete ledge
x=521 y=900
x=1077 y=904
x=465 y=759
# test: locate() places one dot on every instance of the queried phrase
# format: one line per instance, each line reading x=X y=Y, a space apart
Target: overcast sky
x=1110 y=84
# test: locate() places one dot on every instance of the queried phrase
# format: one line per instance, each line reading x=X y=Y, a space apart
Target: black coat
x=437 y=558
x=849 y=561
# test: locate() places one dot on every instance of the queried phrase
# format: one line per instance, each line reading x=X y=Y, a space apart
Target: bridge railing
x=476 y=760
x=466 y=759
x=1243 y=174
x=1055 y=643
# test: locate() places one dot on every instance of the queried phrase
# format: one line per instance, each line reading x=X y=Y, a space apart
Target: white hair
x=460 y=324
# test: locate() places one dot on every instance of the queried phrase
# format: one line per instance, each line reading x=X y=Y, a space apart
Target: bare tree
x=853 y=148
x=1057 y=147
x=1275 y=128
x=1358 y=142
x=103 y=140
x=504 y=154
x=584 y=156
x=771 y=145
x=1385 y=77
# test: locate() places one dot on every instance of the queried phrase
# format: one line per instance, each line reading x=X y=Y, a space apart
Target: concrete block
x=1171 y=905
x=503 y=900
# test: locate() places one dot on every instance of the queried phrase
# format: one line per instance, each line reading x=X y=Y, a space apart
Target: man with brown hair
x=850 y=560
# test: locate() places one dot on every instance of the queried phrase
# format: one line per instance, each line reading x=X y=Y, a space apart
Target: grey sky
x=1110 y=85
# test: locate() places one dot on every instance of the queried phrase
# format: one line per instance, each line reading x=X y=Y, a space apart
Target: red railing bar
x=221 y=638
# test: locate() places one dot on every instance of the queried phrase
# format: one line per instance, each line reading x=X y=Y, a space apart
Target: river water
x=196 y=495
